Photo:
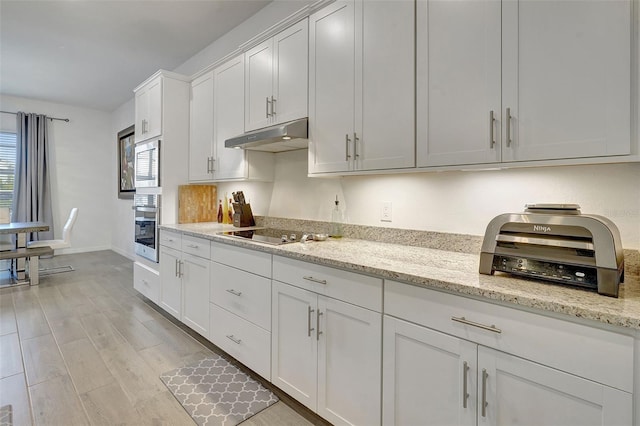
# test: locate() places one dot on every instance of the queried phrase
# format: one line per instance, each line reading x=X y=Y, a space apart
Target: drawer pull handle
x=309 y=328
x=318 y=332
x=463 y=320
x=315 y=280
x=235 y=293
x=465 y=394
x=485 y=375
x=145 y=282
x=233 y=339
x=192 y=245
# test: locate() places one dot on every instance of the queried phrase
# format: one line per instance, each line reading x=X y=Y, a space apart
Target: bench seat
x=32 y=255
x=26 y=252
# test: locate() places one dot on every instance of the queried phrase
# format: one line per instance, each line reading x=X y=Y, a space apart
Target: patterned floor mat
x=214 y=392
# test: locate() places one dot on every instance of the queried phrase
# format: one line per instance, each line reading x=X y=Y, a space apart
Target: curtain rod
x=50 y=118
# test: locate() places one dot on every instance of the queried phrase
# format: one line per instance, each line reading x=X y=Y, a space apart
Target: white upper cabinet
x=228 y=118
x=201 y=149
x=458 y=79
x=522 y=80
x=148 y=110
x=228 y=121
x=361 y=86
x=568 y=86
x=276 y=78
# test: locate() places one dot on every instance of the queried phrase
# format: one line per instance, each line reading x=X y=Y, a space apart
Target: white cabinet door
x=516 y=391
x=566 y=79
x=201 y=129
x=148 y=110
x=195 y=273
x=349 y=360
x=291 y=73
x=429 y=377
x=154 y=127
x=294 y=342
x=458 y=82
x=331 y=88
x=258 y=86
x=385 y=85
x=170 y=282
x=141 y=114
x=228 y=118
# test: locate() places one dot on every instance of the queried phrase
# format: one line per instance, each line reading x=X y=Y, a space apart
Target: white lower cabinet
x=184 y=283
x=146 y=281
x=424 y=376
x=241 y=305
x=436 y=378
x=327 y=354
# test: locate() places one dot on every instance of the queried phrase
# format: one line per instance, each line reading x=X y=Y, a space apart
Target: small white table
x=21 y=229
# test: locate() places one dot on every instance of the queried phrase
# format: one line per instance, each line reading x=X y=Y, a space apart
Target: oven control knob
x=292 y=237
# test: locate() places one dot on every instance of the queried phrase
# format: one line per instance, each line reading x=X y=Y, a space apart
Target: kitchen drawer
x=200 y=247
x=347 y=286
x=146 y=281
x=245 y=294
x=171 y=239
x=604 y=356
x=253 y=261
x=246 y=342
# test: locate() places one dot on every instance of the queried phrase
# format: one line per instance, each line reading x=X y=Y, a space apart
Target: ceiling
x=93 y=53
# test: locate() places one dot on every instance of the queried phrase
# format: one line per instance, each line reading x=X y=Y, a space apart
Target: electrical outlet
x=385 y=212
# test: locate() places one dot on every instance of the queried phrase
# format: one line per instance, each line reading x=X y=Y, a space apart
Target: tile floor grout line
x=66 y=366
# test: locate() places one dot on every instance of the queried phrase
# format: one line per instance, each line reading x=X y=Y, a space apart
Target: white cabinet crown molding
x=163 y=73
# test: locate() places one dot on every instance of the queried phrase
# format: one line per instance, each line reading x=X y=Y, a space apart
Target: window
x=7 y=167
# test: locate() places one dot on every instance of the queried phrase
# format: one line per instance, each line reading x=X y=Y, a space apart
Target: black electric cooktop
x=266 y=235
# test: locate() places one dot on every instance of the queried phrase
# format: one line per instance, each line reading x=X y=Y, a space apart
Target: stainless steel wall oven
x=147 y=165
x=147 y=219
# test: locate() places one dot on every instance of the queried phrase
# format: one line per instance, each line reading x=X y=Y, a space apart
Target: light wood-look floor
x=84 y=348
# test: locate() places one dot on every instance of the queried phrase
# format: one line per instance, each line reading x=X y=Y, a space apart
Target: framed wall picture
x=126 y=171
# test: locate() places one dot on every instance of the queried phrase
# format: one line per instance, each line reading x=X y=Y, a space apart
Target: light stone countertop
x=446 y=270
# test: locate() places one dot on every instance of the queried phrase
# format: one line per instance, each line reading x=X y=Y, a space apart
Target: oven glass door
x=146 y=227
x=147 y=165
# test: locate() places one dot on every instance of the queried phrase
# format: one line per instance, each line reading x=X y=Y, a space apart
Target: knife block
x=242 y=215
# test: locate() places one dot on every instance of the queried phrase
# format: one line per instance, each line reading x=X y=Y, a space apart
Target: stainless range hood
x=283 y=137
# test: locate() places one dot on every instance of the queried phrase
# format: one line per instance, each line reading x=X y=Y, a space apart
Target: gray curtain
x=32 y=191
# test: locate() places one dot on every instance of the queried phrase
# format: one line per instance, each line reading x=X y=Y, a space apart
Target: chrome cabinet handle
x=145 y=282
x=485 y=375
x=318 y=332
x=492 y=121
x=309 y=328
x=355 y=145
x=235 y=293
x=465 y=321
x=508 y=120
x=465 y=394
x=233 y=339
x=192 y=245
x=209 y=164
x=177 y=268
x=267 y=107
x=315 y=280
x=346 y=144
x=273 y=106
x=180 y=265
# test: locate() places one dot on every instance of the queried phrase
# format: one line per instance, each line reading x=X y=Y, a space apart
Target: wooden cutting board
x=197 y=203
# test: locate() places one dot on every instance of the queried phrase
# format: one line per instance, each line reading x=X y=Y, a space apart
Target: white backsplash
x=456 y=202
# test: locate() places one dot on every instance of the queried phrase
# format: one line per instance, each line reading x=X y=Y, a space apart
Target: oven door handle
x=145 y=209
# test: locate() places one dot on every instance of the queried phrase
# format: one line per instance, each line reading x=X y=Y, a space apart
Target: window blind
x=7 y=167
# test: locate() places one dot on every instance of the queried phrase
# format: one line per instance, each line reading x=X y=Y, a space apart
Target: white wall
x=456 y=202
x=121 y=219
x=270 y=15
x=81 y=172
